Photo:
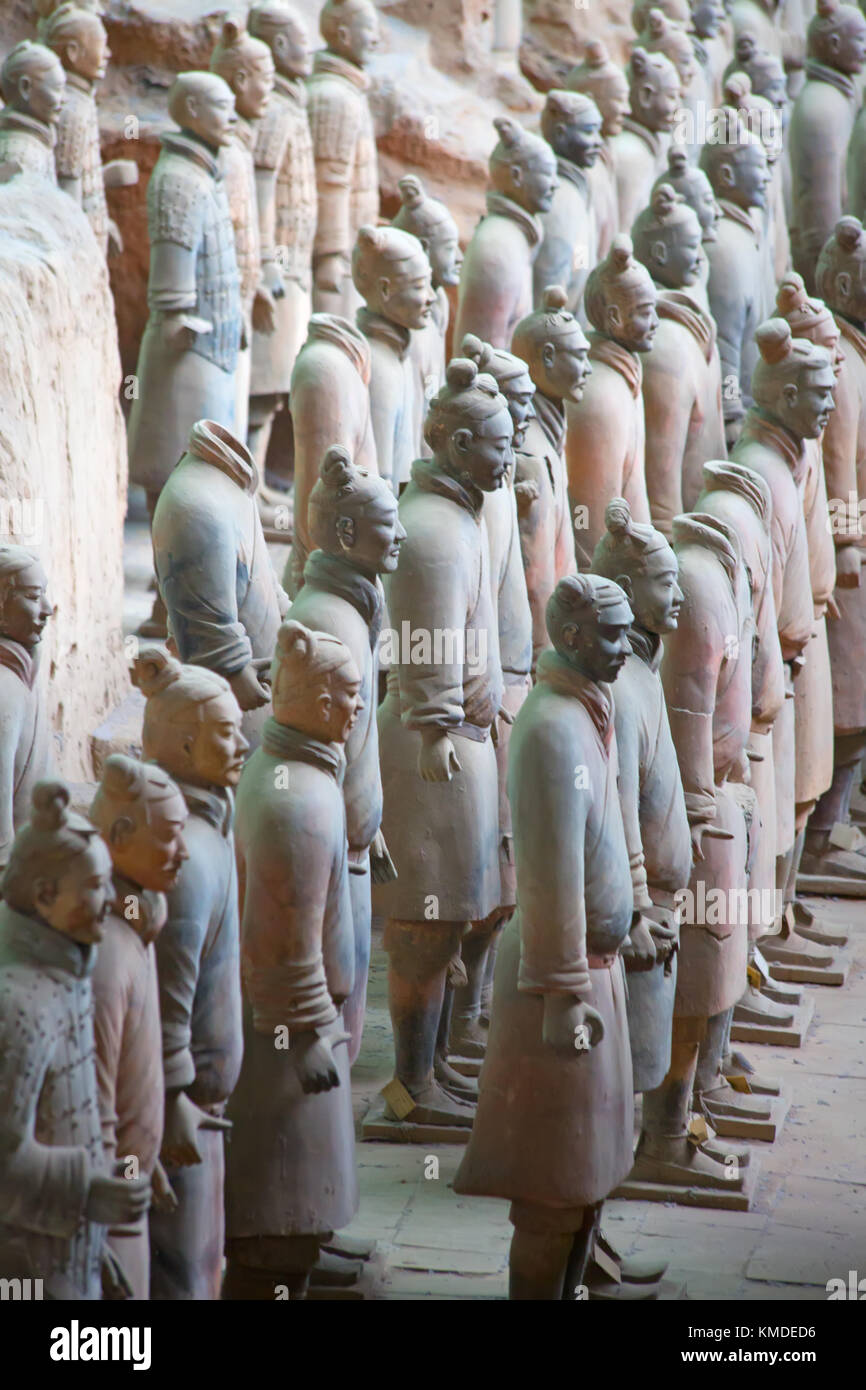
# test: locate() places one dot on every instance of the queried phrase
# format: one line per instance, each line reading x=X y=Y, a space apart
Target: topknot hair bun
x=121 y=778
x=461 y=373
x=678 y=160
x=665 y=199
x=50 y=805
x=153 y=670
x=657 y=22
x=746 y=46
x=336 y=468
x=508 y=130
x=554 y=299
x=791 y=293
x=737 y=85
x=849 y=233
x=617 y=516
x=411 y=190
x=827 y=8
x=371 y=237
x=774 y=340
x=293 y=637
x=595 y=54
x=231 y=30
x=621 y=251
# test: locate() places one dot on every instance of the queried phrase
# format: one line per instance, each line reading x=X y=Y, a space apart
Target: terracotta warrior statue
x=357 y=534
x=682 y=378
x=514 y=621
x=664 y=35
x=642 y=563
x=736 y=166
x=639 y=152
x=297 y=961
x=245 y=64
x=551 y=343
x=706 y=674
x=140 y=815
x=33 y=83
x=392 y=273
x=604 y=445
x=571 y=124
x=189 y=353
x=286 y=194
x=192 y=730
x=821 y=124
x=25 y=734
x=44 y=9
x=78 y=37
x=710 y=43
x=57 y=1196
x=553 y=1129
x=793 y=386
x=841 y=283
x=690 y=182
x=215 y=576
x=601 y=79
x=496 y=280
x=441 y=808
x=344 y=146
x=430 y=221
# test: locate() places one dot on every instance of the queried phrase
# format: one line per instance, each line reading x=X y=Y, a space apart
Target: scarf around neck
x=500 y=206
x=285 y=742
x=374 y=325
x=326 y=61
x=18 y=660
x=820 y=72
x=429 y=477
x=151 y=910
x=551 y=417
x=619 y=359
x=330 y=328
x=595 y=696
x=336 y=574
x=763 y=429
x=216 y=805
x=647 y=646
x=682 y=309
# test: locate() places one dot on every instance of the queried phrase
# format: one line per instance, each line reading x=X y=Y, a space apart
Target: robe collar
x=81 y=84
x=207 y=447
x=647 y=646
x=19 y=120
x=739 y=215
x=374 y=325
x=745 y=482
x=291 y=87
x=326 y=61
x=651 y=138
x=500 y=206
x=35 y=942
x=245 y=134
x=330 y=328
x=17 y=658
x=595 y=696
x=286 y=742
x=679 y=306
x=852 y=335
x=551 y=417
x=567 y=169
x=216 y=805
x=718 y=537
x=820 y=72
x=764 y=429
x=336 y=574
x=150 y=908
x=429 y=477
x=619 y=358
x=180 y=142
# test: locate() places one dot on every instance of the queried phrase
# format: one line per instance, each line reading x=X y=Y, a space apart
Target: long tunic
x=330 y=404
x=496 y=279
x=546 y=534
x=240 y=180
x=291 y=1162
x=605 y=443
x=555 y=1130
x=187 y=207
x=197 y=956
x=568 y=251
x=682 y=396
x=707 y=680
x=813 y=693
x=286 y=186
x=736 y=293
x=392 y=394
x=77 y=154
x=129 y=1051
x=445 y=674
x=25 y=739
x=427 y=354
x=50 y=1135
x=657 y=837
x=639 y=155
x=821 y=124
x=844 y=450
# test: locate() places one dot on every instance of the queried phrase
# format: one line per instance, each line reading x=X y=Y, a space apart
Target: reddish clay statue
x=496 y=280
x=297 y=961
x=639 y=152
x=601 y=79
x=571 y=124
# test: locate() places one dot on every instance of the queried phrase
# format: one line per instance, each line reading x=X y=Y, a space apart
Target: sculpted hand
x=179 y=331
x=437 y=761
x=330 y=272
x=703 y=830
x=273 y=280
x=524 y=495
x=638 y=949
x=183 y=1120
x=250 y=690
x=117 y=1201
x=848 y=561
x=164 y=1198
x=382 y=868
x=115 y=1285
x=264 y=316
x=570 y=1027
x=314 y=1059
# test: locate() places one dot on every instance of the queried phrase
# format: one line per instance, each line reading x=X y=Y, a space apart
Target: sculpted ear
x=659 y=252
x=843 y=283
x=384 y=287
x=570 y=635
x=516 y=175
x=346 y=531
x=548 y=355
x=462 y=440
x=626 y=585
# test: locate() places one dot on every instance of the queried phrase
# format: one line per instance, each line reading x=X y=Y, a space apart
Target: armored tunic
x=568 y=251
x=496 y=279
x=682 y=394
x=330 y=404
x=546 y=534
x=25 y=739
x=552 y=1130
x=187 y=206
x=197 y=955
x=605 y=443
x=50 y=1135
x=28 y=143
x=291 y=1162
x=287 y=228
x=445 y=673
x=77 y=153
x=737 y=294
x=240 y=186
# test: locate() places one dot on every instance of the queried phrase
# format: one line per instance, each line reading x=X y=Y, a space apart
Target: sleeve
x=43 y=1187
x=690 y=673
x=335 y=126
x=429 y=591
x=179 y=947
x=791 y=586
x=839 y=448
x=110 y=1004
x=286 y=901
x=668 y=402
x=549 y=817
x=171 y=283
x=70 y=150
x=728 y=307
x=196 y=557
x=629 y=784
x=10 y=736
x=387 y=397
x=768 y=672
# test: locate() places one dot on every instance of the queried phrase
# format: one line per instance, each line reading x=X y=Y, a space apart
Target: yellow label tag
x=754 y=976
x=739 y=1083
x=398 y=1098
x=698 y=1128
x=606 y=1263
